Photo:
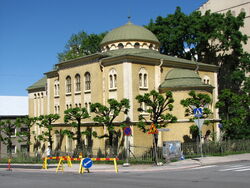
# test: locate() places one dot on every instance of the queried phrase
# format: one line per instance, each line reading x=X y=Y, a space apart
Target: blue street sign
x=127 y=131
x=87 y=163
x=198 y=112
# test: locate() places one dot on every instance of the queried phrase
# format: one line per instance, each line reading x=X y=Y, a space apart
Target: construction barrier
x=62 y=158
x=60 y=166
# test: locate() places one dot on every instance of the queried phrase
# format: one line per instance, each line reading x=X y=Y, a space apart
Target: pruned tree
x=27 y=123
x=105 y=115
x=7 y=130
x=158 y=107
x=73 y=117
x=46 y=121
x=196 y=100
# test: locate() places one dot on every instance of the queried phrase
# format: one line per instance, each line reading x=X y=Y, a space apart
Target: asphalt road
x=230 y=175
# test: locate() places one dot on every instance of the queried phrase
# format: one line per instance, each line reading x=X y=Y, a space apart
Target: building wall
x=127 y=77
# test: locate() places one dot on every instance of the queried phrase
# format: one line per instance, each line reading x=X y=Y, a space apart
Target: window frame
x=87 y=82
x=68 y=85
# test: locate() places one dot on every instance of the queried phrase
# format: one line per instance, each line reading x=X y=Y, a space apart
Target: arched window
x=151 y=46
x=78 y=82
x=137 y=45
x=56 y=92
x=87 y=81
x=112 y=79
x=206 y=80
x=68 y=84
x=120 y=46
x=143 y=78
x=107 y=48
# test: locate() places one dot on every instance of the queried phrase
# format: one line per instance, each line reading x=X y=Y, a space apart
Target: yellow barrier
x=45 y=161
x=60 y=166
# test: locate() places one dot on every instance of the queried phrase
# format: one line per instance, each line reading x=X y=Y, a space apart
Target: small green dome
x=129 y=32
x=179 y=79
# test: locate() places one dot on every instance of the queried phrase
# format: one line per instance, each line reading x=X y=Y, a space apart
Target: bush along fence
x=140 y=154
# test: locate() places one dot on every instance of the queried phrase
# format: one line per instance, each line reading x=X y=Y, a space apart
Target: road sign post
x=199 y=122
x=127 y=132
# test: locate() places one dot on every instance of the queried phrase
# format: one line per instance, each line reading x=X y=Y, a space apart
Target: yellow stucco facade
x=125 y=68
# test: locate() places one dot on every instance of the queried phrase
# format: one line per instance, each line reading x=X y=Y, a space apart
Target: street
x=229 y=175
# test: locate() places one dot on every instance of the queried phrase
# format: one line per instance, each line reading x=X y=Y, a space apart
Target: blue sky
x=32 y=32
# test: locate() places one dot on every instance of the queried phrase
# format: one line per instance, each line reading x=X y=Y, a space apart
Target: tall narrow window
x=140 y=79
x=68 y=84
x=143 y=79
x=87 y=81
x=78 y=82
x=115 y=80
x=112 y=79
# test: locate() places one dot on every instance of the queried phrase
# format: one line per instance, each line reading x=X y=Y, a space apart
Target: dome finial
x=129 y=19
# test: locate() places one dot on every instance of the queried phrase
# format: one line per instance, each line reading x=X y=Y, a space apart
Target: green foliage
x=47 y=121
x=105 y=115
x=6 y=132
x=156 y=106
x=235 y=114
x=73 y=117
x=81 y=44
x=211 y=38
x=197 y=101
x=28 y=123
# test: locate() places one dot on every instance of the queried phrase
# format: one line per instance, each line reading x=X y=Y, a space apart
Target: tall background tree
x=211 y=38
x=81 y=44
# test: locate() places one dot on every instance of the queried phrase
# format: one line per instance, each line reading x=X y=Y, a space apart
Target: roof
x=40 y=84
x=147 y=53
x=13 y=105
x=129 y=32
x=181 y=79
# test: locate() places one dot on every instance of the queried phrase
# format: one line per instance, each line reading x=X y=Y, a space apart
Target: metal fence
x=144 y=154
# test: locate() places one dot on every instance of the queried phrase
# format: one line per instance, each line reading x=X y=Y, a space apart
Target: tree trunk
x=50 y=139
x=79 y=137
x=111 y=151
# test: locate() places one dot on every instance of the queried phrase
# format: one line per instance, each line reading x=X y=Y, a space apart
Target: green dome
x=179 y=79
x=129 y=32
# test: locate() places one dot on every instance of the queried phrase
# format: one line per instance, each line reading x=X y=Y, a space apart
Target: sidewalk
x=188 y=163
